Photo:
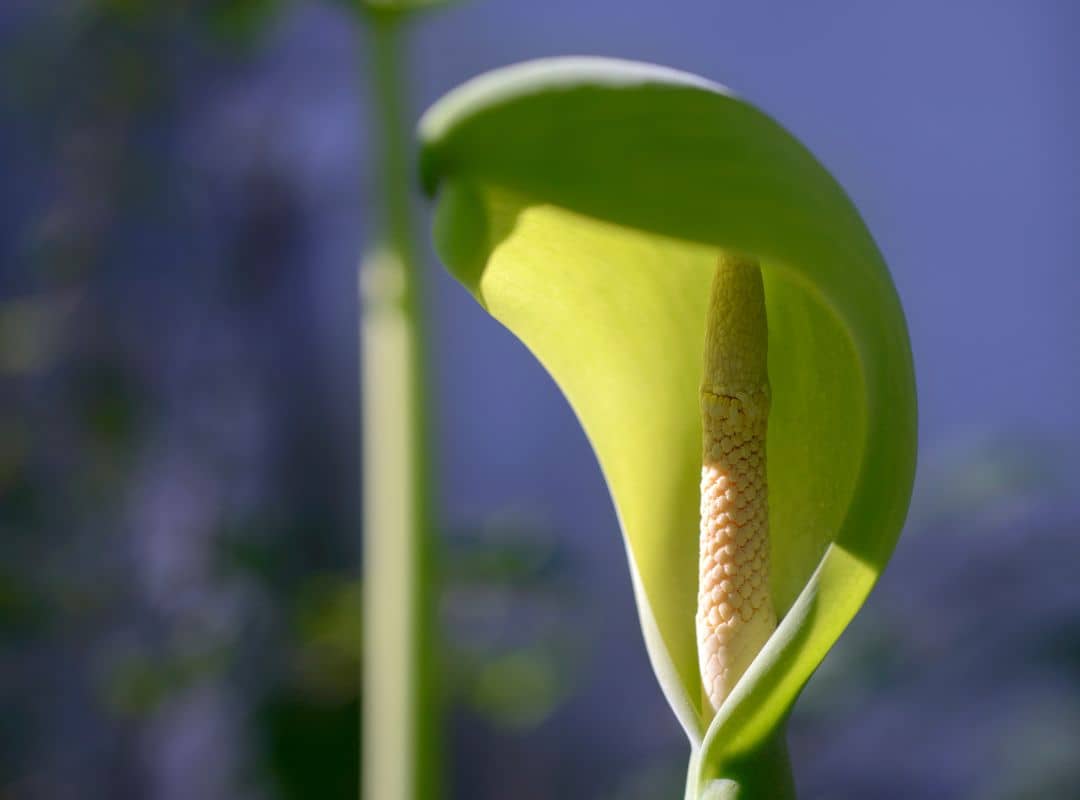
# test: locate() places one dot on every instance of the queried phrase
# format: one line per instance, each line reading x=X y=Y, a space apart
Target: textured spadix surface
x=735 y=616
x=584 y=203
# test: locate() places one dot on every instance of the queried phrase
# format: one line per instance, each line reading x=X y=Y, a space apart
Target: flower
x=584 y=203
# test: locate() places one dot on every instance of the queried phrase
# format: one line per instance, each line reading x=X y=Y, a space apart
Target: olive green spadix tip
x=735 y=616
x=736 y=332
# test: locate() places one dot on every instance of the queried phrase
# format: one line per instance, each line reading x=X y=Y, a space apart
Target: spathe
x=583 y=202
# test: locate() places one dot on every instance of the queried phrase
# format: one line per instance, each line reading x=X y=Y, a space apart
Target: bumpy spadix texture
x=735 y=614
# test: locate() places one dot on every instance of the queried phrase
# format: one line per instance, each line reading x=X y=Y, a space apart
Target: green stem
x=761 y=774
x=401 y=719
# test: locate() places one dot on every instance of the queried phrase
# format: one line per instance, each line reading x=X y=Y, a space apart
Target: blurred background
x=183 y=201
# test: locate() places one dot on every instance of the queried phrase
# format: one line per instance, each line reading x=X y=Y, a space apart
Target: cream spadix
x=735 y=615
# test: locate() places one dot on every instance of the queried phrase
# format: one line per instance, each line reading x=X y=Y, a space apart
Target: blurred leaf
x=311 y=746
x=129 y=10
x=139 y=682
x=584 y=203
x=519 y=689
x=110 y=401
x=509 y=608
x=23 y=611
x=505 y=552
x=240 y=550
x=328 y=623
x=993 y=477
x=31 y=331
x=395 y=8
x=1038 y=755
x=23 y=503
x=241 y=22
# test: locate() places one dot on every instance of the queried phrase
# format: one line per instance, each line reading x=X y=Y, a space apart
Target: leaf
x=396 y=8
x=583 y=202
x=241 y=22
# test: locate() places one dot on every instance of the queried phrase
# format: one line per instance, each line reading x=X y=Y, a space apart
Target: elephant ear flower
x=586 y=204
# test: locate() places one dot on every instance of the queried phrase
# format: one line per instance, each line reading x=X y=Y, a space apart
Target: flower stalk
x=400 y=720
x=763 y=773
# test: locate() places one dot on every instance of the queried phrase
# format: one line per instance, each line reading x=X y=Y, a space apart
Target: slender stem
x=764 y=772
x=401 y=721
x=692 y=768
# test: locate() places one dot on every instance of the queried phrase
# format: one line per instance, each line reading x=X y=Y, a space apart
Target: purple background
x=182 y=209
